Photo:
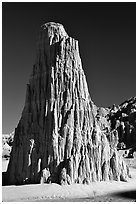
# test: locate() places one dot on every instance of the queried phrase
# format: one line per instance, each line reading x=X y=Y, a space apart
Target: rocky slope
x=60 y=136
x=123 y=119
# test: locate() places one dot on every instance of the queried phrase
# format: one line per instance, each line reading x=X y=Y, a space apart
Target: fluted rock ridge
x=58 y=138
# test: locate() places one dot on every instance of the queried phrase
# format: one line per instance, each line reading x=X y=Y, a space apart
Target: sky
x=107 y=41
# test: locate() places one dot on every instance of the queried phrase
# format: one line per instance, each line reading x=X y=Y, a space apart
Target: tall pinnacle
x=58 y=138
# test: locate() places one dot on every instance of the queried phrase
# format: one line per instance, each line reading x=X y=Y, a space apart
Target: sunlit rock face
x=60 y=137
x=7 y=141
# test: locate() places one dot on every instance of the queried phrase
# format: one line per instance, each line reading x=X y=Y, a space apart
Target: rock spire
x=59 y=138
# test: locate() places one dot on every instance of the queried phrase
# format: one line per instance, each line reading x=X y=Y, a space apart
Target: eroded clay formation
x=59 y=137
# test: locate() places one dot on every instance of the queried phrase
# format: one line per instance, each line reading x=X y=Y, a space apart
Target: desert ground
x=96 y=192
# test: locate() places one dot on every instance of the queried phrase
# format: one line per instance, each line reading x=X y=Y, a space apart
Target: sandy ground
x=95 y=192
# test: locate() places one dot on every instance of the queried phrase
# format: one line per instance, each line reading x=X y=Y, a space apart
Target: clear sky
x=107 y=40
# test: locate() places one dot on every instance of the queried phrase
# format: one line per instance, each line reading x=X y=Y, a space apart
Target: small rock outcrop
x=60 y=137
x=123 y=119
x=7 y=141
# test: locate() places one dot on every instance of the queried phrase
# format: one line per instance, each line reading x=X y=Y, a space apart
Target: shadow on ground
x=4 y=179
x=127 y=194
